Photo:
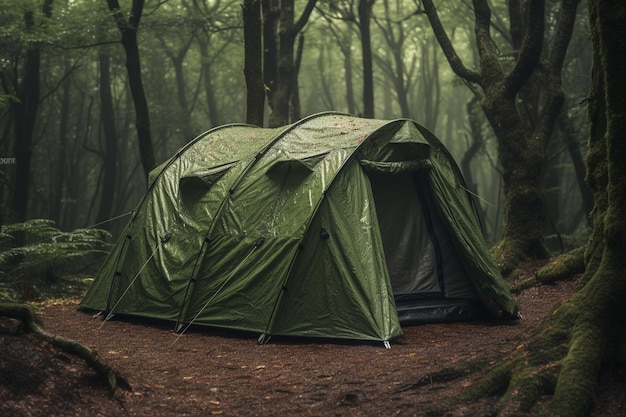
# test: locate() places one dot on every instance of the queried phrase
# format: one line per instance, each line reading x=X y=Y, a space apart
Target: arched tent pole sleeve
x=264 y=338
x=135 y=213
x=189 y=290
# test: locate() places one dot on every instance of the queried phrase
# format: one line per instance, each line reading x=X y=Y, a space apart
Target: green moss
x=495 y=383
x=563 y=267
x=577 y=381
x=509 y=252
x=531 y=384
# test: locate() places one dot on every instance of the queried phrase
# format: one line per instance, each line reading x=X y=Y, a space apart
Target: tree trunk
x=561 y=364
x=285 y=66
x=24 y=117
x=58 y=186
x=271 y=14
x=429 y=87
x=521 y=150
x=128 y=29
x=212 y=107
x=393 y=32
x=364 y=11
x=597 y=328
x=522 y=173
x=343 y=39
x=477 y=143
x=295 y=112
x=252 y=32
x=347 y=67
x=578 y=161
x=280 y=68
x=178 y=59
x=107 y=117
x=326 y=88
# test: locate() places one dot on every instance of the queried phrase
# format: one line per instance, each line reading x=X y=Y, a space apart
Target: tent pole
x=255 y=246
x=110 y=314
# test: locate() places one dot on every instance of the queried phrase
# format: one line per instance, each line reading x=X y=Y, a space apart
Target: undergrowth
x=51 y=264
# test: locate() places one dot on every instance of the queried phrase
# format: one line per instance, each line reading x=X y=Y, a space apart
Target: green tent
x=334 y=226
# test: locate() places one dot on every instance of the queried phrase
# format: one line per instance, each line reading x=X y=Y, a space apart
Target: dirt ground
x=205 y=373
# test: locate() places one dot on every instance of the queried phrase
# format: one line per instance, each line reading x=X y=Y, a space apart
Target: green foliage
x=47 y=265
x=5 y=99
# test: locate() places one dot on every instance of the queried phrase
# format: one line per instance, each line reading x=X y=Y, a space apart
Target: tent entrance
x=427 y=277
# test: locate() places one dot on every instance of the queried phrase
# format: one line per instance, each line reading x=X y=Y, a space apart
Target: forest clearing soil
x=205 y=373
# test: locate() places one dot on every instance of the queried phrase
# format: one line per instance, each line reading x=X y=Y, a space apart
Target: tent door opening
x=427 y=277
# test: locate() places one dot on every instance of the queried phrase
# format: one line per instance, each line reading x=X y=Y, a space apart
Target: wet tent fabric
x=282 y=232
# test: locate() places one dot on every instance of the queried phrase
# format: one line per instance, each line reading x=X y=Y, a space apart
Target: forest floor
x=206 y=373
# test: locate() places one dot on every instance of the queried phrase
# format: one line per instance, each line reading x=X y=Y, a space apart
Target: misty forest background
x=76 y=142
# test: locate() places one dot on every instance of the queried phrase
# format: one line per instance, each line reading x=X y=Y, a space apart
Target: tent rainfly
x=334 y=226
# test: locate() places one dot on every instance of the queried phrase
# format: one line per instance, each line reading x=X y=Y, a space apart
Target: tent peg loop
x=263 y=339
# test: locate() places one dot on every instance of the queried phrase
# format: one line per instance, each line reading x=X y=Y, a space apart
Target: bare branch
x=446 y=45
x=310 y=5
x=530 y=51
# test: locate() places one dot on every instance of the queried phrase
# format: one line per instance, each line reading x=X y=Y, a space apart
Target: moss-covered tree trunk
x=562 y=362
x=598 y=329
x=499 y=86
x=522 y=161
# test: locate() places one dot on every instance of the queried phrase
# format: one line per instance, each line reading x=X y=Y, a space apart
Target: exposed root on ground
x=509 y=253
x=556 y=373
x=447 y=374
x=26 y=316
x=563 y=267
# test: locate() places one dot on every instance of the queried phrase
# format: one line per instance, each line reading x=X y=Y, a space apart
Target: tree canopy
x=95 y=95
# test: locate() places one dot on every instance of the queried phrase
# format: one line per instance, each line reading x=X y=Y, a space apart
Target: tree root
x=27 y=317
x=554 y=374
x=447 y=374
x=509 y=253
x=561 y=268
